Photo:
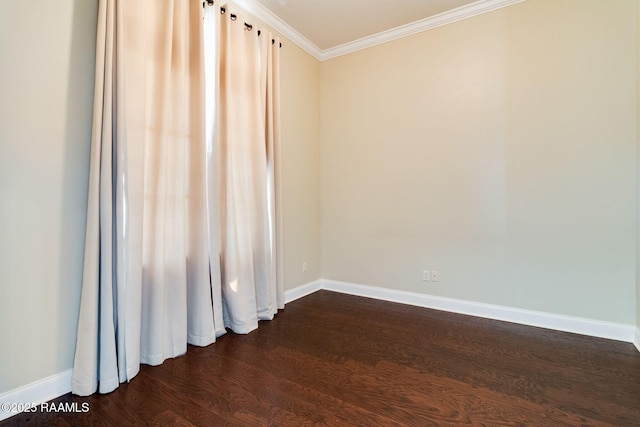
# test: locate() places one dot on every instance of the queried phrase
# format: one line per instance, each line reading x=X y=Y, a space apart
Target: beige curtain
x=180 y=240
x=243 y=111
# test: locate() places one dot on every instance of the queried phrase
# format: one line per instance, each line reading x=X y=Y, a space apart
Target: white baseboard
x=60 y=384
x=302 y=291
x=594 y=328
x=35 y=393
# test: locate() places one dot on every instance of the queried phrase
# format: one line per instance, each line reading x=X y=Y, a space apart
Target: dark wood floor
x=332 y=359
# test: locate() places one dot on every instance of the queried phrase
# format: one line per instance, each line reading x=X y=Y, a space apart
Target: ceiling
x=330 y=28
x=330 y=23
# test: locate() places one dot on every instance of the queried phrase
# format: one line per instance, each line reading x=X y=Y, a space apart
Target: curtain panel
x=180 y=239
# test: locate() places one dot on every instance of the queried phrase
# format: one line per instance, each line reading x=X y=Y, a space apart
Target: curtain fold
x=272 y=129
x=96 y=357
x=181 y=240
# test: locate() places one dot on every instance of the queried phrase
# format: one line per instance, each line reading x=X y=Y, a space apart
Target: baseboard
x=35 y=393
x=594 y=328
x=60 y=384
x=302 y=291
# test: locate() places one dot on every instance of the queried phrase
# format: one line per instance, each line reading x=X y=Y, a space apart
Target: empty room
x=279 y=212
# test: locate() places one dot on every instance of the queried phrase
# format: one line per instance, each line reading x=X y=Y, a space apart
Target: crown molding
x=265 y=15
x=454 y=15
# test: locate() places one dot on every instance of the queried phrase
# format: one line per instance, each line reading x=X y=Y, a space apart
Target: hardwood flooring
x=333 y=359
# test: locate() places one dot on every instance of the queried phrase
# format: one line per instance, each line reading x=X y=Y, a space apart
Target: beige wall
x=499 y=150
x=45 y=123
x=300 y=112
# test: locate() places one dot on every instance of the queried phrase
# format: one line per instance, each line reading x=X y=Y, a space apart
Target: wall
x=499 y=150
x=45 y=125
x=300 y=111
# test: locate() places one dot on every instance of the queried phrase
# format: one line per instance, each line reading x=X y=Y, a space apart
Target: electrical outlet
x=304 y=267
x=426 y=276
x=435 y=276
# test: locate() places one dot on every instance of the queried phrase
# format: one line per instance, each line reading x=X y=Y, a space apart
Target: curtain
x=180 y=239
x=243 y=69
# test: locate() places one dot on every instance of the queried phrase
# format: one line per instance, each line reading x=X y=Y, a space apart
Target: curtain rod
x=233 y=16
